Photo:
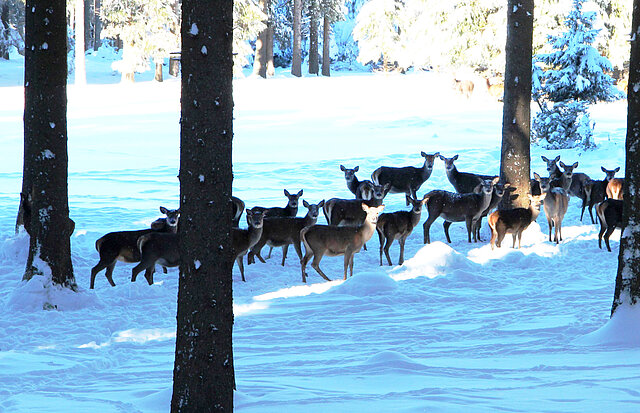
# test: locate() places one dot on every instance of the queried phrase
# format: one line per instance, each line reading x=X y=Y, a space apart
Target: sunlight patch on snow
x=298 y=291
x=623 y=329
x=430 y=261
x=245 y=309
x=135 y=335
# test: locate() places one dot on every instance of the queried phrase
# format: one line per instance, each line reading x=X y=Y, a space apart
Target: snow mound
x=39 y=293
x=431 y=261
x=388 y=360
x=622 y=330
x=367 y=283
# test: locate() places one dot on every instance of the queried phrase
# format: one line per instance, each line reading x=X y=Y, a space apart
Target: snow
x=458 y=327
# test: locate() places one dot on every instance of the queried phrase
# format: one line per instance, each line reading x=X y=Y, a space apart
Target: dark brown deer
x=156 y=248
x=454 y=207
x=237 y=206
x=398 y=225
x=408 y=179
x=243 y=239
x=498 y=193
x=552 y=167
x=331 y=240
x=596 y=190
x=283 y=231
x=514 y=221
x=349 y=211
x=463 y=182
x=123 y=246
x=610 y=213
x=361 y=189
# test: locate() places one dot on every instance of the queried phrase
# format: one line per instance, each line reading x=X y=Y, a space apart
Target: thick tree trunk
x=260 y=60
x=516 y=116
x=627 y=290
x=158 y=75
x=313 y=42
x=45 y=134
x=97 y=25
x=88 y=22
x=296 y=64
x=80 y=71
x=203 y=375
x=326 y=46
x=271 y=68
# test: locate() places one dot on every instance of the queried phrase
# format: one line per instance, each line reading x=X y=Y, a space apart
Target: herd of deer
x=352 y=222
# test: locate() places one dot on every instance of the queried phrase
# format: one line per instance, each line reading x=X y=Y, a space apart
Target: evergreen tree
x=377 y=31
x=615 y=42
x=569 y=78
x=249 y=21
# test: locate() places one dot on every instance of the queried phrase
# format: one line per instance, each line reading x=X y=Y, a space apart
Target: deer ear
x=436 y=154
x=163 y=210
x=287 y=193
x=440 y=156
x=423 y=154
x=300 y=192
x=356 y=169
x=455 y=158
x=342 y=168
x=544 y=158
x=536 y=176
x=557 y=158
x=321 y=204
x=575 y=165
x=365 y=207
x=305 y=203
x=562 y=164
x=603 y=169
x=617 y=169
x=495 y=180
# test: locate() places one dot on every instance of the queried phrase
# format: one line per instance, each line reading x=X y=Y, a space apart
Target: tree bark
x=4 y=26
x=45 y=135
x=627 y=289
x=313 y=40
x=260 y=60
x=88 y=40
x=326 y=46
x=80 y=70
x=158 y=75
x=271 y=68
x=203 y=375
x=516 y=116
x=97 y=25
x=296 y=64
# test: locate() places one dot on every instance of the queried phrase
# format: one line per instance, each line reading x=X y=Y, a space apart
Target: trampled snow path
x=457 y=328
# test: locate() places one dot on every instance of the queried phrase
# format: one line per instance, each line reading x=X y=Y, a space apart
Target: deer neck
x=534 y=212
x=308 y=220
x=254 y=235
x=426 y=171
x=415 y=217
x=353 y=184
x=367 y=229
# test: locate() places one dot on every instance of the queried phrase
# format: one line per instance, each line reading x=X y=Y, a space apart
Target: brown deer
x=463 y=182
x=408 y=179
x=243 y=239
x=514 y=221
x=283 y=231
x=454 y=207
x=610 y=214
x=321 y=240
x=349 y=211
x=123 y=246
x=552 y=167
x=398 y=225
x=156 y=247
x=615 y=188
x=237 y=206
x=498 y=193
x=463 y=87
x=556 y=203
x=596 y=190
x=361 y=189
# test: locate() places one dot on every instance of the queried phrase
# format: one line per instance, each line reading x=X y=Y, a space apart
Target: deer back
x=162 y=247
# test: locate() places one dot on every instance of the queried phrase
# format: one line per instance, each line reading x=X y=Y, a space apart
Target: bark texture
x=326 y=46
x=296 y=64
x=203 y=376
x=45 y=136
x=314 y=64
x=516 y=117
x=627 y=290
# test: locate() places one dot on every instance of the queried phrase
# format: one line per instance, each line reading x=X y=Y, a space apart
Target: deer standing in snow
x=398 y=225
x=408 y=179
x=513 y=221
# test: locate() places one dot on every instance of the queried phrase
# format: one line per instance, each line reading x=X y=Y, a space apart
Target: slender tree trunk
x=88 y=13
x=203 y=375
x=326 y=46
x=271 y=68
x=4 y=26
x=260 y=60
x=313 y=40
x=158 y=75
x=80 y=71
x=97 y=25
x=45 y=134
x=516 y=116
x=627 y=290
x=296 y=64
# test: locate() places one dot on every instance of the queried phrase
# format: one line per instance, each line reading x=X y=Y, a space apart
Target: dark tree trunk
x=326 y=46
x=45 y=135
x=4 y=26
x=313 y=40
x=516 y=116
x=174 y=66
x=158 y=75
x=88 y=41
x=97 y=25
x=260 y=60
x=296 y=64
x=80 y=71
x=203 y=375
x=627 y=290
x=271 y=68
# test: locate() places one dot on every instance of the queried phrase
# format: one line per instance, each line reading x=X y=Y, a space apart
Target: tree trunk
x=326 y=46
x=627 y=290
x=516 y=116
x=45 y=135
x=80 y=71
x=271 y=68
x=158 y=75
x=4 y=27
x=88 y=9
x=296 y=64
x=313 y=40
x=260 y=60
x=203 y=375
x=174 y=66
x=97 y=25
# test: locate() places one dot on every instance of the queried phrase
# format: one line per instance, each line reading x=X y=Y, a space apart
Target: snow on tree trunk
x=326 y=46
x=203 y=376
x=627 y=289
x=296 y=64
x=260 y=60
x=515 y=155
x=45 y=135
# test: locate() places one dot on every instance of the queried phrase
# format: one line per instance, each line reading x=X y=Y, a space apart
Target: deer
x=156 y=247
x=514 y=221
x=610 y=214
x=463 y=182
x=615 y=188
x=283 y=231
x=556 y=203
x=454 y=207
x=361 y=189
x=552 y=167
x=331 y=240
x=123 y=246
x=243 y=239
x=463 y=87
x=498 y=193
x=596 y=190
x=408 y=179
x=348 y=211
x=566 y=178
x=237 y=206
x=398 y=225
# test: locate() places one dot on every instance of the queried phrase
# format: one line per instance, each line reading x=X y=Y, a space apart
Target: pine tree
x=377 y=31
x=567 y=80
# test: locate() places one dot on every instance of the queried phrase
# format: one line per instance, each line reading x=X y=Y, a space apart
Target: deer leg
x=387 y=245
x=285 y=248
x=148 y=274
x=241 y=266
x=425 y=229
x=469 y=223
x=109 y=273
x=494 y=235
x=550 y=225
x=137 y=269
x=603 y=228
x=501 y=236
x=446 y=226
x=515 y=236
x=607 y=235
x=315 y=264
x=584 y=205
x=520 y=238
x=255 y=252
x=303 y=264
x=270 y=250
x=477 y=228
x=381 y=239
x=297 y=248
x=101 y=265
x=401 y=242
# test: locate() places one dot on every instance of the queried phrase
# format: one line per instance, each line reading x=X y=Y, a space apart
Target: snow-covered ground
x=458 y=327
